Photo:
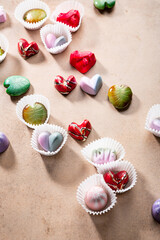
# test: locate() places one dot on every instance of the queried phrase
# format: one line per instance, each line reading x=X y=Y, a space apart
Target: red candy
x=82 y=61
x=116 y=181
x=65 y=86
x=80 y=132
x=70 y=18
x=27 y=49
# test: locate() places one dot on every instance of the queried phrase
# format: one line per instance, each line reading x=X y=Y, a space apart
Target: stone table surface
x=37 y=193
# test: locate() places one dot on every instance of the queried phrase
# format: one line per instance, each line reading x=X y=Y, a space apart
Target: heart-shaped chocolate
x=34 y=15
x=80 y=132
x=116 y=181
x=102 y=4
x=65 y=86
x=50 y=142
x=91 y=86
x=27 y=49
x=120 y=96
x=36 y=114
x=60 y=41
x=3 y=17
x=82 y=61
x=16 y=85
x=70 y=18
x=103 y=155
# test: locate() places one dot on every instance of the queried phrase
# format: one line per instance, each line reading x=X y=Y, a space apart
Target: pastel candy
x=155 y=124
x=3 y=17
x=4 y=142
x=55 y=140
x=50 y=40
x=103 y=155
x=156 y=210
x=43 y=140
x=60 y=41
x=91 y=86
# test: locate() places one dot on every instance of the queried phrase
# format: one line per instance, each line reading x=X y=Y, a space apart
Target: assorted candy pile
x=96 y=194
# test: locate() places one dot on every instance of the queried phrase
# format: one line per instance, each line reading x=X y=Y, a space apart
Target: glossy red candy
x=116 y=181
x=80 y=132
x=70 y=18
x=27 y=49
x=82 y=61
x=65 y=86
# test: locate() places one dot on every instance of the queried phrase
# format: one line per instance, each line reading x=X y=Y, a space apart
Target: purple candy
x=155 y=124
x=50 y=40
x=4 y=142
x=2 y=15
x=43 y=140
x=156 y=210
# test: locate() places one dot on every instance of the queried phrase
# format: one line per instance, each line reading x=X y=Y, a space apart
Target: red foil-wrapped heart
x=116 y=181
x=65 y=86
x=70 y=18
x=82 y=61
x=80 y=132
x=27 y=49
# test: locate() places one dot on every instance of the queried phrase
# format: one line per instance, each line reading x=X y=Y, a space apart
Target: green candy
x=34 y=15
x=1 y=51
x=16 y=85
x=55 y=141
x=102 y=4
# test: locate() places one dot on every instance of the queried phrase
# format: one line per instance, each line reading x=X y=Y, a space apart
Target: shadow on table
x=7 y=158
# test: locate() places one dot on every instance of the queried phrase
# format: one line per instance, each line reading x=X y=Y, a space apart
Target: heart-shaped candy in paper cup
x=86 y=185
x=25 y=6
x=153 y=120
x=4 y=45
x=102 y=4
x=91 y=85
x=107 y=146
x=117 y=167
x=65 y=8
x=49 y=131
x=33 y=108
x=58 y=30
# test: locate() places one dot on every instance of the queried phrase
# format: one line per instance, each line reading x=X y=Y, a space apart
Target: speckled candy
x=103 y=155
x=96 y=198
x=155 y=124
x=156 y=210
x=50 y=40
x=4 y=142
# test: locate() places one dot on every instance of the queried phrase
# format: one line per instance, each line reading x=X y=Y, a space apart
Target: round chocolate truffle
x=96 y=198
x=156 y=210
x=155 y=124
x=4 y=142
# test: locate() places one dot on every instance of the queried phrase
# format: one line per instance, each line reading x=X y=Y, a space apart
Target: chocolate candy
x=82 y=61
x=102 y=4
x=1 y=51
x=70 y=18
x=80 y=132
x=120 y=96
x=50 y=40
x=155 y=124
x=103 y=155
x=65 y=86
x=34 y=15
x=4 y=142
x=16 y=85
x=60 y=41
x=116 y=181
x=91 y=85
x=50 y=142
x=27 y=49
x=3 y=17
x=36 y=114
x=156 y=210
x=96 y=198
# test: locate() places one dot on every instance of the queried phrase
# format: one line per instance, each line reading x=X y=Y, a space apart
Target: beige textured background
x=38 y=194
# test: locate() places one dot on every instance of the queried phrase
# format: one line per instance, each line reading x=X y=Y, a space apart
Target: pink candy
x=103 y=155
x=3 y=17
x=50 y=40
x=155 y=124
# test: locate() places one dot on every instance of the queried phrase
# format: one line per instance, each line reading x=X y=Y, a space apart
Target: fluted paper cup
x=58 y=30
x=103 y=143
x=153 y=113
x=120 y=166
x=51 y=129
x=31 y=99
x=4 y=44
x=27 y=5
x=87 y=184
x=64 y=8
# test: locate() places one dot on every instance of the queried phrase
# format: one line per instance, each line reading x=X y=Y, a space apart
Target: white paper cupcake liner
x=153 y=113
x=65 y=7
x=31 y=99
x=95 y=180
x=120 y=166
x=47 y=128
x=26 y=5
x=4 y=44
x=58 y=30
x=103 y=143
